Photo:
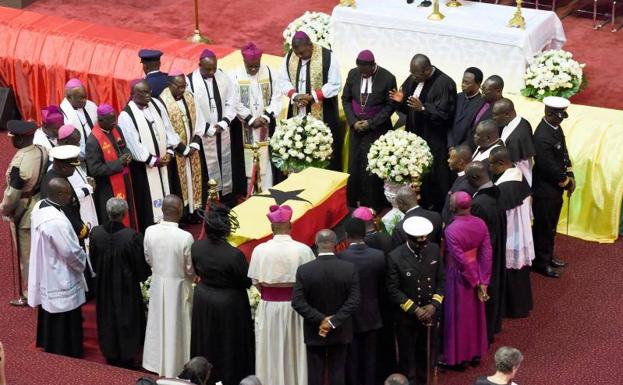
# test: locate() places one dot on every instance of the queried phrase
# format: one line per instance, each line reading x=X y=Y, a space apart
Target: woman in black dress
x=507 y=362
x=222 y=328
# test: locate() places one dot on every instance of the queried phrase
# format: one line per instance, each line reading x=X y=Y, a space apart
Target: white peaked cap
x=556 y=102
x=417 y=226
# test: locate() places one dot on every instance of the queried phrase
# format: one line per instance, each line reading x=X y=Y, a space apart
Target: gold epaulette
x=438 y=298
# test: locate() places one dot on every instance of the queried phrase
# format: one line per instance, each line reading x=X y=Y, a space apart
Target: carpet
x=222 y=22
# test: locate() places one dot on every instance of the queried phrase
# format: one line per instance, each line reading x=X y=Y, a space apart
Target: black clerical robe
x=438 y=96
x=466 y=110
x=117 y=253
x=376 y=108
x=487 y=206
x=72 y=210
x=520 y=143
x=518 y=296
x=102 y=170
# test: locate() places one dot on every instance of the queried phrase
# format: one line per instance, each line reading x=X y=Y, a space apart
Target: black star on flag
x=282 y=197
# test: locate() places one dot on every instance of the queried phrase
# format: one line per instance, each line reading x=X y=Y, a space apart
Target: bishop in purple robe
x=468 y=271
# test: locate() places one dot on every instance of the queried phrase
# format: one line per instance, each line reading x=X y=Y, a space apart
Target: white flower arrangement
x=301 y=142
x=254 y=299
x=315 y=24
x=145 y=290
x=553 y=73
x=399 y=157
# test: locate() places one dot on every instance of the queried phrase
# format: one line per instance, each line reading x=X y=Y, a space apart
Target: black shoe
x=548 y=272
x=557 y=263
x=475 y=362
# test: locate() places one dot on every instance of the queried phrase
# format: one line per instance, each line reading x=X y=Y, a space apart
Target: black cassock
x=518 y=298
x=438 y=97
x=222 y=328
x=330 y=108
x=376 y=108
x=117 y=253
x=464 y=117
x=460 y=184
x=487 y=206
x=100 y=170
x=520 y=143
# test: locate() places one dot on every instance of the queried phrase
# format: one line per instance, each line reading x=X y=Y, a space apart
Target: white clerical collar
x=319 y=254
x=152 y=72
x=412 y=208
x=460 y=173
x=486 y=185
x=510 y=127
x=473 y=96
x=282 y=236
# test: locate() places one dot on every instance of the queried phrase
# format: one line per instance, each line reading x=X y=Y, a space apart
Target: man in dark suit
x=370 y=264
x=326 y=294
x=492 y=89
x=468 y=103
x=368 y=110
x=553 y=174
x=460 y=156
x=407 y=202
x=156 y=79
x=415 y=281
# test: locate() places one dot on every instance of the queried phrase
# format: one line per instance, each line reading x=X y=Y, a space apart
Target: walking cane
x=429 y=328
x=568 y=209
x=15 y=256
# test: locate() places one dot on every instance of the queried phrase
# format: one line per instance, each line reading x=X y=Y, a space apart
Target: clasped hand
x=303 y=100
x=425 y=313
x=325 y=327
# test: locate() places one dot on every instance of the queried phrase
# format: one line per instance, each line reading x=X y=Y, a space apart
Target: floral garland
x=301 y=142
x=399 y=157
x=553 y=73
x=316 y=25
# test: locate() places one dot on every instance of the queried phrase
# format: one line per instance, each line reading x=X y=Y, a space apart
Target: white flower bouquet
x=553 y=73
x=254 y=299
x=145 y=290
x=314 y=24
x=399 y=157
x=301 y=142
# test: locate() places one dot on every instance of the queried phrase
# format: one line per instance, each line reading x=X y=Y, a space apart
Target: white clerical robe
x=83 y=119
x=207 y=101
x=41 y=139
x=481 y=155
x=519 y=241
x=257 y=96
x=525 y=165
x=330 y=89
x=167 y=337
x=55 y=279
x=281 y=357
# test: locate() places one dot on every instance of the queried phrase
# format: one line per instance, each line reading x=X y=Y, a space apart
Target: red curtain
x=39 y=53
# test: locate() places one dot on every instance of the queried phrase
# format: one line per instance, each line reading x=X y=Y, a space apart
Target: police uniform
x=415 y=279
x=552 y=168
x=157 y=80
x=23 y=178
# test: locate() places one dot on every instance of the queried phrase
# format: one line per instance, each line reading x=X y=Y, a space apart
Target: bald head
x=503 y=111
x=477 y=174
x=486 y=133
x=326 y=241
x=197 y=370
x=406 y=198
x=396 y=379
x=172 y=207
x=421 y=68
x=59 y=191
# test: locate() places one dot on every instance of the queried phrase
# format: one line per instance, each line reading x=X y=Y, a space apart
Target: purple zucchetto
x=105 y=109
x=250 y=52
x=365 y=56
x=73 y=83
x=300 y=35
x=463 y=200
x=207 y=53
x=52 y=115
